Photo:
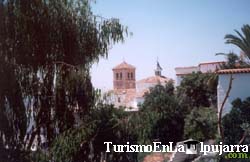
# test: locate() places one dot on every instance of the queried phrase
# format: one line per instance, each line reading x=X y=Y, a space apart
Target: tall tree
x=233 y=61
x=235 y=122
x=165 y=114
x=86 y=143
x=198 y=90
x=241 y=40
x=46 y=51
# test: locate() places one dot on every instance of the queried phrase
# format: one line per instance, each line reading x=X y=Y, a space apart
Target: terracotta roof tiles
x=233 y=71
x=124 y=65
x=154 y=79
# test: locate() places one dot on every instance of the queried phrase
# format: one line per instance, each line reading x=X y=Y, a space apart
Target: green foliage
x=198 y=90
x=234 y=121
x=46 y=51
x=236 y=124
x=12 y=115
x=201 y=124
x=196 y=93
x=68 y=143
x=233 y=61
x=165 y=113
x=86 y=143
x=241 y=40
x=143 y=124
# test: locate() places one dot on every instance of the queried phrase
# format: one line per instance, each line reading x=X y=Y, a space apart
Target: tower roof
x=158 y=69
x=124 y=65
x=158 y=66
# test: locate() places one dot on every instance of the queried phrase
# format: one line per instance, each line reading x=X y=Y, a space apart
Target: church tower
x=158 y=69
x=124 y=76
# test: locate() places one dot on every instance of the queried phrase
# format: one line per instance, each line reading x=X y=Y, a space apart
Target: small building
x=207 y=67
x=240 y=86
x=183 y=71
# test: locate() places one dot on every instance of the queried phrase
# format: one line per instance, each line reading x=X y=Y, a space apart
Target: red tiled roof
x=124 y=65
x=154 y=79
x=233 y=71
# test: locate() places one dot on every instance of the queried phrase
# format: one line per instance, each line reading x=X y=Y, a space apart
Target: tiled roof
x=154 y=79
x=124 y=65
x=233 y=71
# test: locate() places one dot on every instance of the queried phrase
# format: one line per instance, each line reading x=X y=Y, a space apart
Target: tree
x=201 y=124
x=236 y=125
x=46 y=51
x=241 y=40
x=198 y=90
x=86 y=143
x=234 y=122
x=163 y=105
x=233 y=61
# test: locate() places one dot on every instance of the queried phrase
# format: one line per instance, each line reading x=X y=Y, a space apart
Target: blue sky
x=178 y=32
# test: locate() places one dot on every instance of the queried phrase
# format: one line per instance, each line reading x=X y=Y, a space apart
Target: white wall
x=205 y=68
x=240 y=89
x=179 y=78
x=138 y=100
x=186 y=70
x=182 y=71
x=143 y=86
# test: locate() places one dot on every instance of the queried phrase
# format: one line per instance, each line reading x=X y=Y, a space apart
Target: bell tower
x=124 y=76
x=158 y=69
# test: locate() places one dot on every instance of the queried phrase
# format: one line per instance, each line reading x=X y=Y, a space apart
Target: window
x=131 y=75
x=119 y=99
x=117 y=76
x=120 y=75
x=128 y=76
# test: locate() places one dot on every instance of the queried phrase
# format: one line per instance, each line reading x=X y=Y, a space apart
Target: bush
x=233 y=121
x=201 y=124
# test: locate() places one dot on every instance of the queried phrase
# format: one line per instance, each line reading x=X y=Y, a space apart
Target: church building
x=124 y=76
x=129 y=93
